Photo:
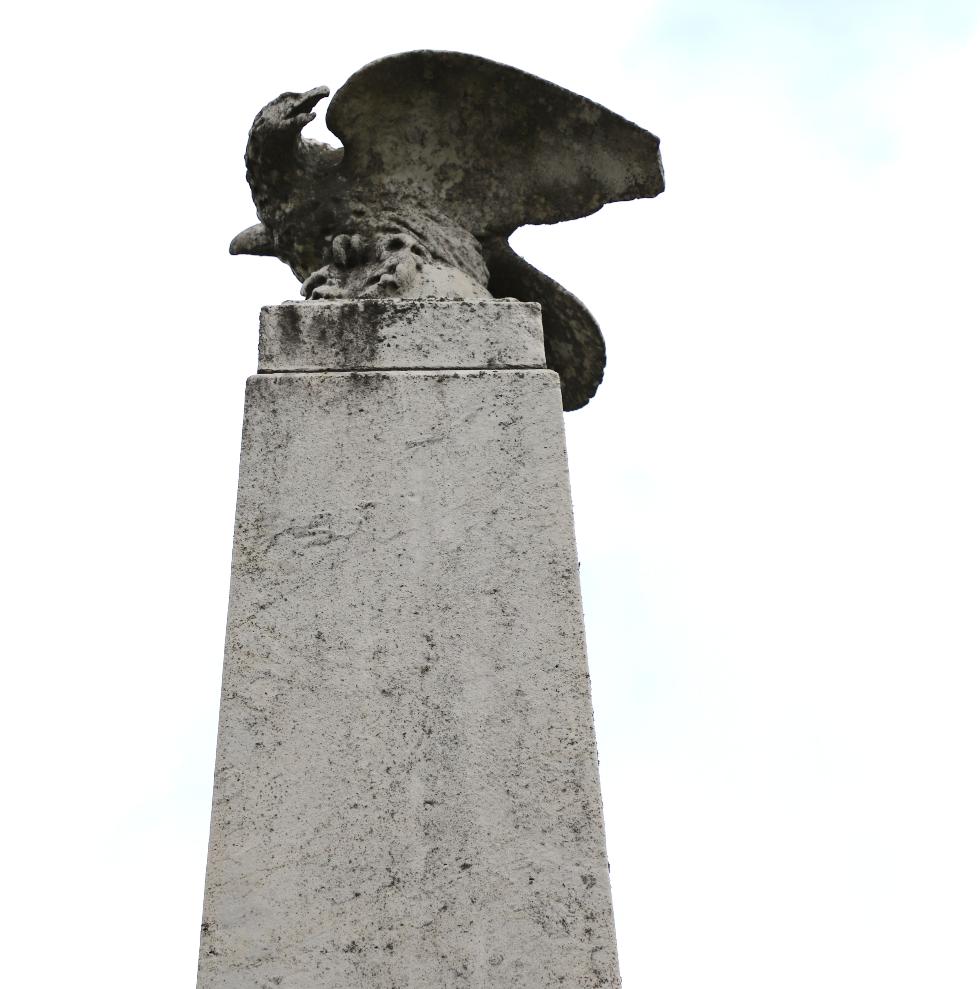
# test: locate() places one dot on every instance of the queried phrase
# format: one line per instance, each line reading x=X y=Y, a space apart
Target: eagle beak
x=306 y=101
x=255 y=240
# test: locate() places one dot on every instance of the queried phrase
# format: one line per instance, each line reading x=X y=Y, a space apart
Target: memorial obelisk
x=406 y=787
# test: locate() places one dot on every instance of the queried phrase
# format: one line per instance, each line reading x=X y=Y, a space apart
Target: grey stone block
x=406 y=786
x=385 y=335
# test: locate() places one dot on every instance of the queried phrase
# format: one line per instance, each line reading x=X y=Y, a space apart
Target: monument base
x=406 y=789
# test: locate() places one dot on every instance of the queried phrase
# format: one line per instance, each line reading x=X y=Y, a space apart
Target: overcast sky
x=776 y=488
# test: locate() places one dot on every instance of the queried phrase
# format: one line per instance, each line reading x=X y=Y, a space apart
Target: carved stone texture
x=444 y=155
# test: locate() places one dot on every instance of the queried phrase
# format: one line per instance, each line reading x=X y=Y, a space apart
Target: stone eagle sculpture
x=444 y=156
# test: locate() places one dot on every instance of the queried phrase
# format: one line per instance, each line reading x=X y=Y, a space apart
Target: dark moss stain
x=291 y=328
x=359 y=337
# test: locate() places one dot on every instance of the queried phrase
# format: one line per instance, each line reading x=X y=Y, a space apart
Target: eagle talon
x=347 y=251
x=323 y=284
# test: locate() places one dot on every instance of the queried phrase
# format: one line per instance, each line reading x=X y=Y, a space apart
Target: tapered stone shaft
x=406 y=792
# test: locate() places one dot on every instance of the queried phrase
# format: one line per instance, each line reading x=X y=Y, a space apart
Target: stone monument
x=406 y=791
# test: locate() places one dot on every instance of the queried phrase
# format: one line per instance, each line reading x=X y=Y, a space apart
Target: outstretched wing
x=573 y=345
x=490 y=146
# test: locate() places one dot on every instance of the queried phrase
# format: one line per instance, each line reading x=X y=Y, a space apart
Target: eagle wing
x=573 y=344
x=487 y=145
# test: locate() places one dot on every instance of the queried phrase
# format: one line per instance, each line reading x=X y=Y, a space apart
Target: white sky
x=776 y=489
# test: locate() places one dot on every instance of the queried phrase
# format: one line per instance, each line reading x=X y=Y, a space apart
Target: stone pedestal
x=406 y=792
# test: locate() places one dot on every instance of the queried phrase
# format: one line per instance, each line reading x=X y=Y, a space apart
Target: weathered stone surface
x=395 y=334
x=406 y=789
x=444 y=156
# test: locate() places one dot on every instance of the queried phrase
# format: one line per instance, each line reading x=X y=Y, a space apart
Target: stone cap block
x=400 y=334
